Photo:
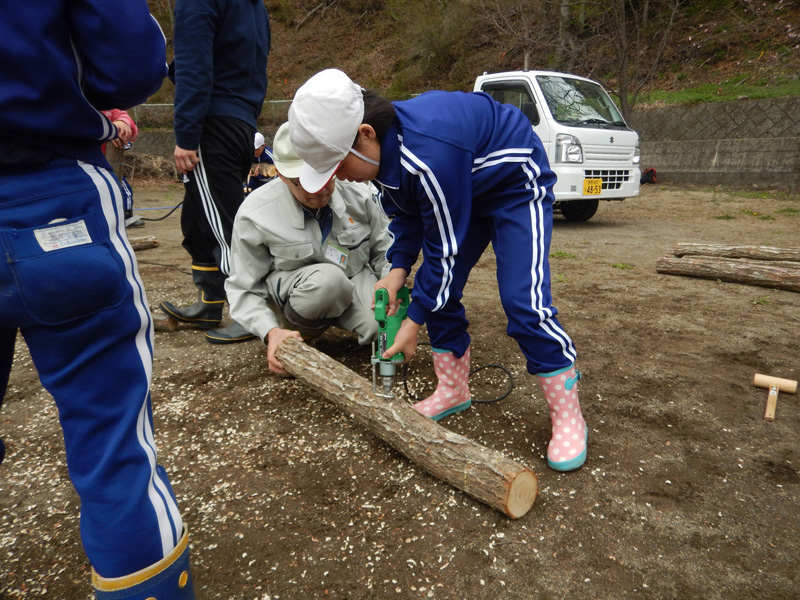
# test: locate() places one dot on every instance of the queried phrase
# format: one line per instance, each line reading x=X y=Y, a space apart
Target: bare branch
x=323 y=5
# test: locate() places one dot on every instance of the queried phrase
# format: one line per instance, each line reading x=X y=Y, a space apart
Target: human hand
x=405 y=341
x=392 y=283
x=125 y=134
x=275 y=337
x=185 y=160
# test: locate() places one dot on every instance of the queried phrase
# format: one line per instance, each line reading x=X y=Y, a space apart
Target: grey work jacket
x=271 y=233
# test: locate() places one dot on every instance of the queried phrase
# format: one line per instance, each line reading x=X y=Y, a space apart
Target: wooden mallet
x=774 y=385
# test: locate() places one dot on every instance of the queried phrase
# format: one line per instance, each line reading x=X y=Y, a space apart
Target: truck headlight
x=568 y=149
x=636 y=154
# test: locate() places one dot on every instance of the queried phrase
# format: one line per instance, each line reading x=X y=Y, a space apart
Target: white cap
x=285 y=158
x=324 y=117
x=258 y=141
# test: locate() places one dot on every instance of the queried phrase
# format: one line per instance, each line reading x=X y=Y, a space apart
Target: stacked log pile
x=764 y=266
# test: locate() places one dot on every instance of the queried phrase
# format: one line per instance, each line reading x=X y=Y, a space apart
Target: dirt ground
x=688 y=492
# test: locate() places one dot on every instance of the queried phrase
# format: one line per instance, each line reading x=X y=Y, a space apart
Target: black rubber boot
x=206 y=313
x=232 y=334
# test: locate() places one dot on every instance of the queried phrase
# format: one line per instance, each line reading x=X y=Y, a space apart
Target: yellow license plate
x=592 y=187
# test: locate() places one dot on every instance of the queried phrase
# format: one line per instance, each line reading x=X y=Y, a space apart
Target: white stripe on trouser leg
x=161 y=502
x=537 y=276
x=124 y=249
x=212 y=214
x=158 y=501
x=171 y=506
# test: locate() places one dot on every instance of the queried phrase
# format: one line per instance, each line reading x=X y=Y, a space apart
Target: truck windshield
x=578 y=102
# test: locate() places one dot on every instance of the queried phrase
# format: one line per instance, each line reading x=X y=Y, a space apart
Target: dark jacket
x=220 y=66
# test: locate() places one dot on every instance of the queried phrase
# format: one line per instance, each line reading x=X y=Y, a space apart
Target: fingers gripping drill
x=388 y=326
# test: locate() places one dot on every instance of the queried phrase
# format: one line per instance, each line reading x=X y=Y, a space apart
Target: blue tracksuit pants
x=519 y=226
x=69 y=283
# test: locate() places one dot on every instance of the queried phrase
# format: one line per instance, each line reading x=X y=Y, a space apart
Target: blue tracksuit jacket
x=458 y=171
x=55 y=80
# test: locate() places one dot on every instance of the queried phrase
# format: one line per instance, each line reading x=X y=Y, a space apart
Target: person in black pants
x=220 y=76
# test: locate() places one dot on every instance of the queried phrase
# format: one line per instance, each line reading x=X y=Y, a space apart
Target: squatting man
x=301 y=262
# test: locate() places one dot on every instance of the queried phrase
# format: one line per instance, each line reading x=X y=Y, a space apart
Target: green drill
x=387 y=330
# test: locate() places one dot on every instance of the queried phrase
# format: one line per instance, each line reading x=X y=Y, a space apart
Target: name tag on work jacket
x=336 y=255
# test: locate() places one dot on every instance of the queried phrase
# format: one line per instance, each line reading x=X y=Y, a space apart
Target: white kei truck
x=591 y=149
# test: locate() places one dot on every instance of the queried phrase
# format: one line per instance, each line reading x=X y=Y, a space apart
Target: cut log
x=761 y=273
x=748 y=252
x=484 y=474
x=143 y=243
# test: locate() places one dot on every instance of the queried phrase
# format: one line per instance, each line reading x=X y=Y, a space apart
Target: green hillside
x=655 y=51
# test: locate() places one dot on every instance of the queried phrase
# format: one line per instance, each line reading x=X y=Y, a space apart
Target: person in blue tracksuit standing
x=69 y=278
x=220 y=75
x=457 y=171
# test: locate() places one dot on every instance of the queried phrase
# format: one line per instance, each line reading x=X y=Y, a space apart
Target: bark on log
x=761 y=273
x=143 y=243
x=484 y=474
x=748 y=252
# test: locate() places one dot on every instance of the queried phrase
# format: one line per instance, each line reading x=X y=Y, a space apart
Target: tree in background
x=405 y=47
x=618 y=42
x=637 y=39
x=164 y=10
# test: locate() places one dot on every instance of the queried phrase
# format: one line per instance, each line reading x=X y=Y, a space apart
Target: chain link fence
x=151 y=154
x=743 y=142
x=155 y=116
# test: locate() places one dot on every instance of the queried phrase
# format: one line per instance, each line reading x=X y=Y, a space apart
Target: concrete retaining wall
x=739 y=143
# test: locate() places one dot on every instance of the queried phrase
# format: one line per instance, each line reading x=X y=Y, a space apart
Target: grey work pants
x=314 y=297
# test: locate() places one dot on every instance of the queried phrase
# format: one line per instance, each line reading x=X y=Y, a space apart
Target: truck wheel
x=579 y=210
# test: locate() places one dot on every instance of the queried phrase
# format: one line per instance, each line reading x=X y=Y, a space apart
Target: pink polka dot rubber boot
x=452 y=390
x=567 y=448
